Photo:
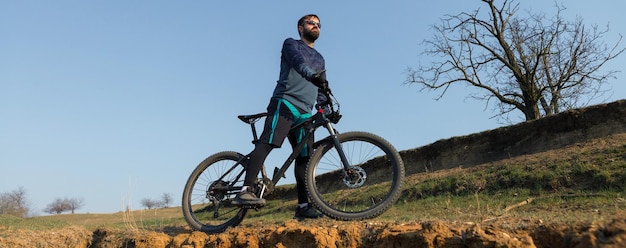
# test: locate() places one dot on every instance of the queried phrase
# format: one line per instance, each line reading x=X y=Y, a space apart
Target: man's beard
x=311 y=36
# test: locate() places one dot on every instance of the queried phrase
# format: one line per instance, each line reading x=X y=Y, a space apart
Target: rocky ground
x=328 y=233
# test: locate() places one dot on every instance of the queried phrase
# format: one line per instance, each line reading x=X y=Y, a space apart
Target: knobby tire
x=206 y=203
x=375 y=182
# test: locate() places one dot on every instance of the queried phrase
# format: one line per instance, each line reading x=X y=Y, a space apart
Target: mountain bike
x=349 y=176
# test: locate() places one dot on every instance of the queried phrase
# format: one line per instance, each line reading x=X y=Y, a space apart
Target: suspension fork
x=335 y=139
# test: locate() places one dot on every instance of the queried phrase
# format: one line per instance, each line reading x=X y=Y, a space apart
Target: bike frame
x=310 y=126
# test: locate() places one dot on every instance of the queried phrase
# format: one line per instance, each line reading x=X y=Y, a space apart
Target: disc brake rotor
x=355 y=177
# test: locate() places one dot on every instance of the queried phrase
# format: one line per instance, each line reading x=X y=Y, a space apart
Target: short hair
x=306 y=17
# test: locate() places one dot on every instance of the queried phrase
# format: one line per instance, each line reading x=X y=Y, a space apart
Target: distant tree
x=14 y=203
x=537 y=65
x=74 y=204
x=149 y=203
x=58 y=206
x=166 y=200
x=61 y=205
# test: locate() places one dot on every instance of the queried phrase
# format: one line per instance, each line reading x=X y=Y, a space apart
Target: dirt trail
x=370 y=234
x=328 y=233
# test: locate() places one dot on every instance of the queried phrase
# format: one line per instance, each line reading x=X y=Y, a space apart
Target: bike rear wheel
x=209 y=191
x=371 y=185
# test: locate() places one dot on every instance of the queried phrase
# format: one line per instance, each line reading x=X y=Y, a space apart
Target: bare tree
x=166 y=200
x=14 y=203
x=537 y=65
x=58 y=206
x=61 y=205
x=149 y=203
x=74 y=203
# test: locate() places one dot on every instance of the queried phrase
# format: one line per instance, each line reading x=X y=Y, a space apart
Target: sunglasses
x=319 y=25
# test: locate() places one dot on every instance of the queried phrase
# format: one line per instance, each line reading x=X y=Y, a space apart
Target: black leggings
x=257 y=158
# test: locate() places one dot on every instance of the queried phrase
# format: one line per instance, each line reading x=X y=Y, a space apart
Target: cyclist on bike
x=301 y=82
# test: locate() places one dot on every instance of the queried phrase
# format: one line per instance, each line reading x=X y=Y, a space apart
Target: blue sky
x=116 y=101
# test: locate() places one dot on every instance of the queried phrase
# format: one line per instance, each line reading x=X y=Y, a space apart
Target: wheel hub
x=217 y=190
x=355 y=177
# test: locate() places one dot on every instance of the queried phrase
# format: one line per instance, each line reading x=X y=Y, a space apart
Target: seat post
x=254 y=135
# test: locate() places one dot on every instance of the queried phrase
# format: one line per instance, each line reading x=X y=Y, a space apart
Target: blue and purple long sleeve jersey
x=298 y=64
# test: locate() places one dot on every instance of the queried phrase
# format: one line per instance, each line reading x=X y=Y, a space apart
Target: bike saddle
x=251 y=118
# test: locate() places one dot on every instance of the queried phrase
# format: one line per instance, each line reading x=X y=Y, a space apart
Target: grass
x=34 y=224
x=139 y=220
x=564 y=186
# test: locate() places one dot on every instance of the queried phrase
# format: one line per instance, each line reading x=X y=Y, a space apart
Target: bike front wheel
x=209 y=191
x=372 y=183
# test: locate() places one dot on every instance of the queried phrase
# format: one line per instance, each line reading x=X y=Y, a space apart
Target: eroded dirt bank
x=329 y=233
x=371 y=234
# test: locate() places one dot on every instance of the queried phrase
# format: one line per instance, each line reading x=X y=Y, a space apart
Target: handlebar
x=331 y=102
